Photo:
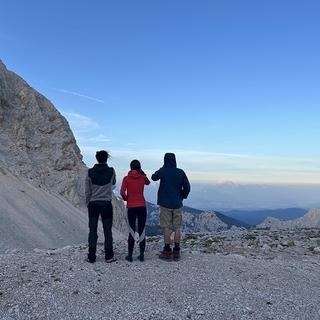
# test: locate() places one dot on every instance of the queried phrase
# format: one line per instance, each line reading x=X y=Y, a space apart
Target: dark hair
x=135 y=165
x=102 y=156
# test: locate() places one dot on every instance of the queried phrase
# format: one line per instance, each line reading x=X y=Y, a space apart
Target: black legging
x=140 y=214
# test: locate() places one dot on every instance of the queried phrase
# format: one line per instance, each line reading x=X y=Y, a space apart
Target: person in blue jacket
x=174 y=187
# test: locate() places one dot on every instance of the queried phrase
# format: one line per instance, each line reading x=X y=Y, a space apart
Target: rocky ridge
x=310 y=220
x=194 y=220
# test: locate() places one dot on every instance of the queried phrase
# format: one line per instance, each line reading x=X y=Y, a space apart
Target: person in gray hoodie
x=174 y=187
x=100 y=182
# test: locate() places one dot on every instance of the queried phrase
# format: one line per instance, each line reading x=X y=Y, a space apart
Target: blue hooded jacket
x=174 y=184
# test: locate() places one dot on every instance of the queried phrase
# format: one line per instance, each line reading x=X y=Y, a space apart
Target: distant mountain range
x=194 y=220
x=310 y=220
x=254 y=217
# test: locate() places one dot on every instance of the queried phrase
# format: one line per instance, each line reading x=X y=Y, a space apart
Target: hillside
x=310 y=220
x=42 y=173
x=251 y=277
x=254 y=217
x=33 y=218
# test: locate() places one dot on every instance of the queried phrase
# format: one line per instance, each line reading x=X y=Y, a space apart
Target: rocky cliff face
x=36 y=141
x=310 y=220
x=38 y=153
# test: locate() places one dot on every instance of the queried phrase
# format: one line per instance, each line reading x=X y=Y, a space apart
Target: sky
x=232 y=87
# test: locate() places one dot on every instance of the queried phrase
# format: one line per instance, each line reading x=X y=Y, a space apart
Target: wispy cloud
x=77 y=94
x=100 y=138
x=80 y=123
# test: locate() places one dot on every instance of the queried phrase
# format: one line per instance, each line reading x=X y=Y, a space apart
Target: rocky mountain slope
x=41 y=171
x=36 y=141
x=310 y=220
x=254 y=217
x=247 y=275
x=194 y=220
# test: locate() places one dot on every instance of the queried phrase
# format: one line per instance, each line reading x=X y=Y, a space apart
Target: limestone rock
x=310 y=220
x=36 y=141
x=41 y=170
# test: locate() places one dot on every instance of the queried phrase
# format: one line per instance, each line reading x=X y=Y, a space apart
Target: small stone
x=266 y=248
x=316 y=250
x=200 y=312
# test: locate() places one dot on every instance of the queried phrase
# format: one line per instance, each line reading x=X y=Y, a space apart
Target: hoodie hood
x=134 y=174
x=170 y=160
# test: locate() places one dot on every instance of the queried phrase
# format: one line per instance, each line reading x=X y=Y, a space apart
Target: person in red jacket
x=132 y=191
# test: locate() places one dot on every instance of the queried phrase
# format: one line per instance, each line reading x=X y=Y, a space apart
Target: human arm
x=146 y=181
x=156 y=176
x=123 y=189
x=113 y=180
x=185 y=186
x=88 y=190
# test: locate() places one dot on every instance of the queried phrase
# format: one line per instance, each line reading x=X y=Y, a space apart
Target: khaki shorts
x=170 y=217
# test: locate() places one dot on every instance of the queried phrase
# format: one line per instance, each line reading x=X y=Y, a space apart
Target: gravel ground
x=59 y=284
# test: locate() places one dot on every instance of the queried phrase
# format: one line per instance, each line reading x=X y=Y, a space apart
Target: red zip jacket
x=132 y=189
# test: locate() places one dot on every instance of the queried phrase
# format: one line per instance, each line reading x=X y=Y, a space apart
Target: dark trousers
x=105 y=209
x=134 y=214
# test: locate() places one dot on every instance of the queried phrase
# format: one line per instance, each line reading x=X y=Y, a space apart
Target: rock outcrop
x=194 y=220
x=310 y=220
x=36 y=141
x=41 y=171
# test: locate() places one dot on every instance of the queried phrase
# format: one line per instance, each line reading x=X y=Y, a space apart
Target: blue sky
x=231 y=86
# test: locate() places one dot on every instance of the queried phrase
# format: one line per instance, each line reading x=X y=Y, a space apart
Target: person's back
x=132 y=188
x=100 y=181
x=132 y=191
x=174 y=184
x=174 y=187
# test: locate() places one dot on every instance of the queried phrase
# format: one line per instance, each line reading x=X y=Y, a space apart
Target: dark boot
x=176 y=254
x=92 y=254
x=166 y=254
x=141 y=256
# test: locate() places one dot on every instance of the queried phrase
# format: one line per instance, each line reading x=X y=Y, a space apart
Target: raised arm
x=146 y=181
x=156 y=176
